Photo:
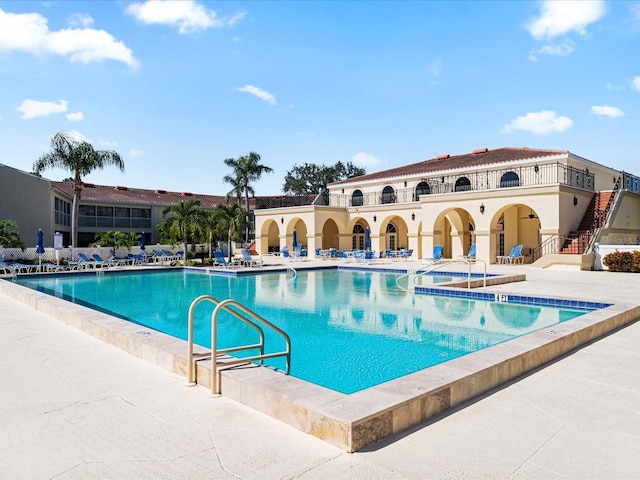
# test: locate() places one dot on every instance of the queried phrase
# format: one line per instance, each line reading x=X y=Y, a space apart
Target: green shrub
x=623 y=261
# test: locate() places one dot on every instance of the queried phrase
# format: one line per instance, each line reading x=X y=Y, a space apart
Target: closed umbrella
x=295 y=239
x=367 y=238
x=40 y=247
x=142 y=242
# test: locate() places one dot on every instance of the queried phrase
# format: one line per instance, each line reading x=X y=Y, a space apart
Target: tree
x=183 y=220
x=311 y=178
x=9 y=236
x=80 y=158
x=229 y=220
x=246 y=169
x=116 y=240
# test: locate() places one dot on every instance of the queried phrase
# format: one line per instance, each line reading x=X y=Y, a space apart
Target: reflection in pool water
x=349 y=329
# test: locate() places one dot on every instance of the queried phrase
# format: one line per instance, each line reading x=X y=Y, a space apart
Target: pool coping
x=352 y=421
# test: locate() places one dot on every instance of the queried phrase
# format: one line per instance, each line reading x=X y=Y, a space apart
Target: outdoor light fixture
x=281 y=219
x=575 y=201
x=405 y=183
x=413 y=216
x=374 y=219
x=482 y=208
x=536 y=168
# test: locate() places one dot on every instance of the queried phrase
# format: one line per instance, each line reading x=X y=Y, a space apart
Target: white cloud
x=261 y=94
x=136 y=153
x=187 y=15
x=29 y=32
x=365 y=159
x=539 y=123
x=107 y=143
x=75 y=116
x=77 y=136
x=607 y=111
x=80 y=20
x=559 y=50
x=612 y=87
x=33 y=108
x=560 y=17
x=635 y=84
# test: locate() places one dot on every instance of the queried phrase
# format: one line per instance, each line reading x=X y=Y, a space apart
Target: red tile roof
x=134 y=196
x=481 y=156
x=110 y=194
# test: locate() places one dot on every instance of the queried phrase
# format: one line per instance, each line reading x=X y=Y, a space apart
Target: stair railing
x=550 y=246
x=602 y=217
x=245 y=315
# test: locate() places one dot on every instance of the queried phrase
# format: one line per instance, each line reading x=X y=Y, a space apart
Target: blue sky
x=177 y=87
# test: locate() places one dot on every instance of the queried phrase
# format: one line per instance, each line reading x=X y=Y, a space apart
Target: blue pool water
x=349 y=329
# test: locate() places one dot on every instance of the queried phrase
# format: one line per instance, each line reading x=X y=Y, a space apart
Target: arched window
x=422 y=189
x=388 y=195
x=356 y=199
x=463 y=184
x=509 y=179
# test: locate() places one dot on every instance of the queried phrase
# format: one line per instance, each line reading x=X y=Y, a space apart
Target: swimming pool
x=350 y=330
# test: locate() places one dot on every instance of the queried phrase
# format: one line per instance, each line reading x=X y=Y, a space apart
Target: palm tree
x=80 y=158
x=246 y=169
x=229 y=221
x=183 y=220
x=116 y=240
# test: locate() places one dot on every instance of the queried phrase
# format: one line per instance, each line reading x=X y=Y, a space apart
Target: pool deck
x=72 y=406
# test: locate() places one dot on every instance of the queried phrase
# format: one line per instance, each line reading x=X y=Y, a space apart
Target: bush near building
x=623 y=261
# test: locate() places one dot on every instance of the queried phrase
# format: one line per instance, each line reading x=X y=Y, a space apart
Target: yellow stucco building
x=552 y=202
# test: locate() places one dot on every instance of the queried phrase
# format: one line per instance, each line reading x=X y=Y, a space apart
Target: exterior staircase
x=252 y=248
x=577 y=241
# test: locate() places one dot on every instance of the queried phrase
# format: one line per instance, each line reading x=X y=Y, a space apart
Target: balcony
x=528 y=176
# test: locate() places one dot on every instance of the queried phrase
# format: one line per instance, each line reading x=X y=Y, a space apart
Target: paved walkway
x=73 y=407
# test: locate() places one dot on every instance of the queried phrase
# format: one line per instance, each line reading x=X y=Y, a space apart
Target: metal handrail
x=441 y=263
x=602 y=217
x=226 y=306
x=295 y=273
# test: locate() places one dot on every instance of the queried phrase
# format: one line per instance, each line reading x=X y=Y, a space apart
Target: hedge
x=623 y=261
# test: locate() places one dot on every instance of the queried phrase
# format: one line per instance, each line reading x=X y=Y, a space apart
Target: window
x=357 y=241
x=422 y=189
x=388 y=195
x=62 y=212
x=356 y=199
x=509 y=179
x=463 y=184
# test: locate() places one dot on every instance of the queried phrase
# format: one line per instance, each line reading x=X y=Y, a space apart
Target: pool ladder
x=246 y=316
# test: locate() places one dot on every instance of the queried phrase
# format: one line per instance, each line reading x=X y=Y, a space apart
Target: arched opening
x=509 y=179
x=273 y=237
x=422 y=189
x=463 y=184
x=357 y=199
x=517 y=224
x=330 y=237
x=388 y=195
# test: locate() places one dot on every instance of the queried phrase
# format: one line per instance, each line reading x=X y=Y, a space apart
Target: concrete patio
x=72 y=406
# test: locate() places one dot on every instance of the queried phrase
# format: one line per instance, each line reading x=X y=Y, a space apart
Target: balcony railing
x=527 y=176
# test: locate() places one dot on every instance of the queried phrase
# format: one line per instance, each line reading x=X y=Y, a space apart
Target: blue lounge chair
x=112 y=262
x=15 y=267
x=248 y=260
x=222 y=262
x=437 y=254
x=86 y=262
x=515 y=256
x=471 y=255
